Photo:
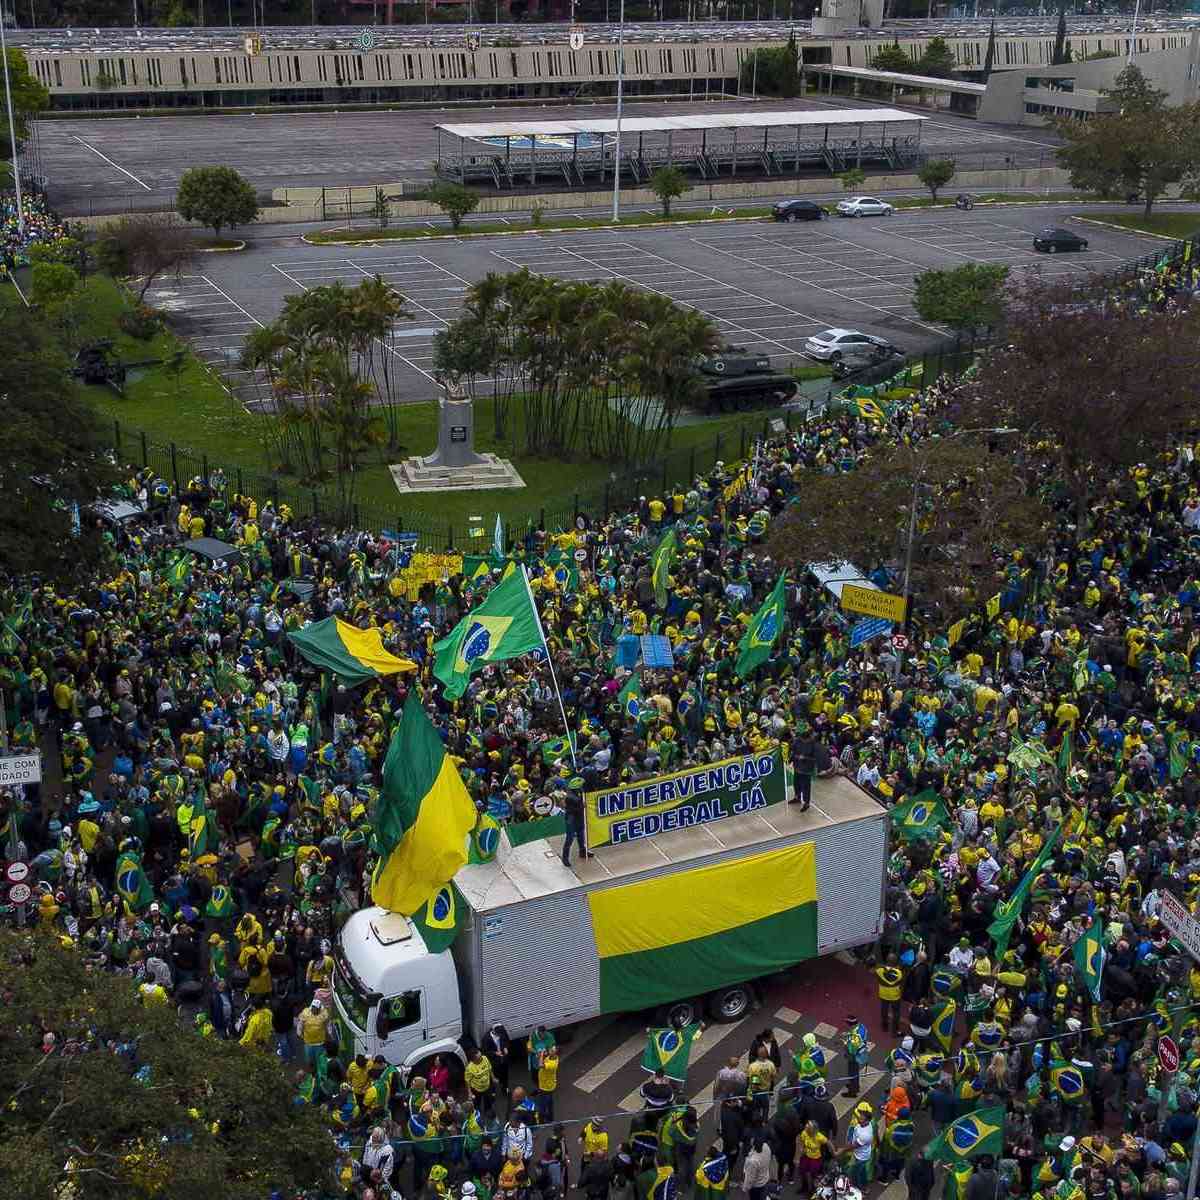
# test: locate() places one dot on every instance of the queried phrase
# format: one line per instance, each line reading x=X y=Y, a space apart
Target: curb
x=1162 y=237
x=221 y=249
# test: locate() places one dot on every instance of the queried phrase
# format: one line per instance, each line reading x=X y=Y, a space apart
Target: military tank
x=97 y=363
x=735 y=379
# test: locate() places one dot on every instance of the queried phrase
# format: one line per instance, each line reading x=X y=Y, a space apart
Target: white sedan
x=864 y=206
x=831 y=345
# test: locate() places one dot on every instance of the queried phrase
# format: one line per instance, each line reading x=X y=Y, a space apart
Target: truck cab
x=392 y=997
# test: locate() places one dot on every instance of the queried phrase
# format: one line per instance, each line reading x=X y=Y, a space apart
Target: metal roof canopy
x=739 y=120
x=930 y=82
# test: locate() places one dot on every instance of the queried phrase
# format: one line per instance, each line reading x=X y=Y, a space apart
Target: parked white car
x=832 y=345
x=864 y=206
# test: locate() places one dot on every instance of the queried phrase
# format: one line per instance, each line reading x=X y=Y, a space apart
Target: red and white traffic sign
x=19 y=893
x=17 y=872
x=1168 y=1053
x=899 y=641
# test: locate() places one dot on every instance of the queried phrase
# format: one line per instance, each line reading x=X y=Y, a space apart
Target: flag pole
x=549 y=662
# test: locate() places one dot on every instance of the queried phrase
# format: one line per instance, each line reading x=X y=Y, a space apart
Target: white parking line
x=115 y=166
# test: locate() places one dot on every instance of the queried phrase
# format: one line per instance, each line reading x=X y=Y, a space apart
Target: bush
x=141 y=322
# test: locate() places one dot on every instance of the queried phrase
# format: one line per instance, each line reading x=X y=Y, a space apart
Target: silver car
x=864 y=206
x=832 y=345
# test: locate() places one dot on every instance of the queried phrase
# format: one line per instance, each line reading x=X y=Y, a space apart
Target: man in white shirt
x=378 y=1155
x=961 y=957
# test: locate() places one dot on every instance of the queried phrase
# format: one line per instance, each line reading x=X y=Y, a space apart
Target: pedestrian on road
x=918 y=1175
x=757 y=1169
x=854 y=1040
x=595 y=1177
x=731 y=1080
x=498 y=1046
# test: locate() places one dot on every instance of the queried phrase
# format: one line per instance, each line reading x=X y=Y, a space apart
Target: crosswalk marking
x=594 y=1028
x=789 y=1016
x=825 y=1031
x=702 y=1101
x=705 y=1043
x=610 y=1064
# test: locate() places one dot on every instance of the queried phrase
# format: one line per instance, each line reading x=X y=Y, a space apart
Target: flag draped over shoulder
x=630 y=697
x=423 y=816
x=1007 y=911
x=669 y=1049
x=755 y=647
x=504 y=626
x=664 y=553
x=977 y=1133
x=352 y=654
x=1090 y=957
x=923 y=816
x=202 y=831
x=132 y=885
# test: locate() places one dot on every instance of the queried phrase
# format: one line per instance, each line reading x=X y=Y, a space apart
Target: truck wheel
x=681 y=1012
x=731 y=1004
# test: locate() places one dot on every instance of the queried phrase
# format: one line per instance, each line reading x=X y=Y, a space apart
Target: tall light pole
x=12 y=131
x=1137 y=8
x=616 y=207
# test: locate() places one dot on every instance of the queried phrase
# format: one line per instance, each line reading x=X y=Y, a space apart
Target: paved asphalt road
x=110 y=165
x=601 y=1068
x=768 y=286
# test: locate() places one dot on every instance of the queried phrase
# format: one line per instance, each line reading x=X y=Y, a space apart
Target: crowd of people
x=42 y=225
x=212 y=827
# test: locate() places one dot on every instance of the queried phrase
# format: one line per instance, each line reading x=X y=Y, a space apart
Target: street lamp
x=616 y=204
x=12 y=132
x=912 y=514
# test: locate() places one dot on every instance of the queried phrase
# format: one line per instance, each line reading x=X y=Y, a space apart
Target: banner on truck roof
x=696 y=796
x=694 y=931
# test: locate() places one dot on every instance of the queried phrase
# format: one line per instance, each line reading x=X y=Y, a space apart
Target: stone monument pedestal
x=454 y=465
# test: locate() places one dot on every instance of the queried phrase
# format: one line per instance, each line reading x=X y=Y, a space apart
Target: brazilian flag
x=556 y=749
x=132 y=885
x=1068 y=1082
x=1090 y=957
x=202 y=829
x=969 y=1136
x=945 y=982
x=944 y=1015
x=179 y=573
x=669 y=1049
x=712 y=1176
x=1181 y=753
x=485 y=839
x=630 y=698
x=220 y=903
x=755 y=646
x=658 y=1183
x=440 y=918
x=660 y=571
x=924 y=816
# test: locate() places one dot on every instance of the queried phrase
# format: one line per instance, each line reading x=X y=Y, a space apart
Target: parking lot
x=767 y=287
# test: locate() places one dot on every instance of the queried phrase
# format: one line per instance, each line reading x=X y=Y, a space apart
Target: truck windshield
x=354 y=1003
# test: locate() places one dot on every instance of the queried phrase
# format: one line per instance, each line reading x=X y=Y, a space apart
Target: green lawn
x=1165 y=224
x=197 y=414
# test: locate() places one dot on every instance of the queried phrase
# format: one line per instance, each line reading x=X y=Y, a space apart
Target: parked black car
x=798 y=210
x=1055 y=241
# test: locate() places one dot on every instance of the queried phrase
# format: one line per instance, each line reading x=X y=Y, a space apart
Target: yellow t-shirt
x=548 y=1072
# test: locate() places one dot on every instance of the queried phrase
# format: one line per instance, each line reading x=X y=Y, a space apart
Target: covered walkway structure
x=509 y=154
x=964 y=96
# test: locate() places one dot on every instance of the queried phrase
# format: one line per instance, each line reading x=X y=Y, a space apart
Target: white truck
x=532 y=950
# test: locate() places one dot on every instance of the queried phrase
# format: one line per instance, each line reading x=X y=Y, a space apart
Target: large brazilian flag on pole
x=504 y=626
x=688 y=933
x=352 y=654
x=755 y=646
x=977 y=1133
x=422 y=819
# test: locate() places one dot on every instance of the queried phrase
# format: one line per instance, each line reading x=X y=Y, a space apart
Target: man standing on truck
x=806 y=752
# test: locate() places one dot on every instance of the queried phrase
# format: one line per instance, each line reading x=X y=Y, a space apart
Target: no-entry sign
x=1168 y=1053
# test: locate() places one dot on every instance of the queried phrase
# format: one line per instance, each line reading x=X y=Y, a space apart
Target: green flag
x=1090 y=957
x=132 y=885
x=440 y=918
x=630 y=698
x=755 y=646
x=1066 y=754
x=179 y=573
x=977 y=1133
x=924 y=816
x=1007 y=911
x=202 y=830
x=1181 y=753
x=663 y=555
x=504 y=626
x=669 y=1049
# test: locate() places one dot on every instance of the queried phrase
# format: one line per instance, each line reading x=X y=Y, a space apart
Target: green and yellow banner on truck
x=695 y=796
x=694 y=931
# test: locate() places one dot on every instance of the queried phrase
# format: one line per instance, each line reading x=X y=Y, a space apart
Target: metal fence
x=179 y=464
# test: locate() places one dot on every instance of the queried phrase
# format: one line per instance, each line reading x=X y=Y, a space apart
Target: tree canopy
x=938 y=59
x=130 y=1102
x=29 y=97
x=144 y=247
x=217 y=197
x=773 y=70
x=52 y=450
x=892 y=58
x=964 y=298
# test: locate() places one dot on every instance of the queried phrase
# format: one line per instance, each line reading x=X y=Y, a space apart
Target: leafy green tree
x=217 y=197
x=938 y=59
x=853 y=179
x=54 y=436
x=454 y=200
x=893 y=58
x=668 y=183
x=966 y=298
x=1144 y=148
x=133 y=1103
x=1062 y=48
x=935 y=174
x=29 y=97
x=772 y=70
